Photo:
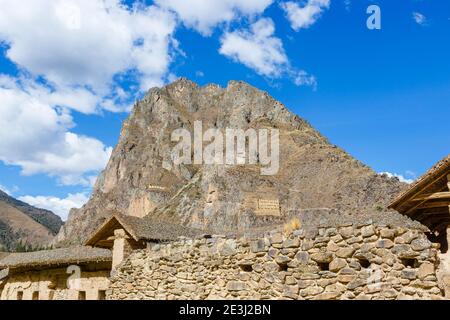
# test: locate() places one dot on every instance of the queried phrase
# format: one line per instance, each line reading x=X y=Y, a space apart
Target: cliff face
x=315 y=178
x=23 y=224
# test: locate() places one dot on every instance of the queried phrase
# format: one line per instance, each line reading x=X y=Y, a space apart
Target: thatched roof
x=3 y=255
x=141 y=229
x=56 y=257
x=428 y=199
x=162 y=230
x=4 y=274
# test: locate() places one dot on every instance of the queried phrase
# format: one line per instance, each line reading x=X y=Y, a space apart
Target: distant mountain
x=24 y=225
x=316 y=180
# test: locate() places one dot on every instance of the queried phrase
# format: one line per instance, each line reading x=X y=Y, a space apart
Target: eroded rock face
x=316 y=180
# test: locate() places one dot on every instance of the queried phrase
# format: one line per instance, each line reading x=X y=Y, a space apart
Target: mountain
x=316 y=180
x=22 y=224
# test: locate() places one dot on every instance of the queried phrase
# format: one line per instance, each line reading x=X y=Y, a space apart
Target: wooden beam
x=105 y=243
x=419 y=202
x=418 y=192
x=434 y=196
x=429 y=205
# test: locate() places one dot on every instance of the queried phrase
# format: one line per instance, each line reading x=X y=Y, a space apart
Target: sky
x=70 y=71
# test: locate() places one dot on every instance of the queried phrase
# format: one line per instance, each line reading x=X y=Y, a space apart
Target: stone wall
x=348 y=262
x=55 y=284
x=2 y=284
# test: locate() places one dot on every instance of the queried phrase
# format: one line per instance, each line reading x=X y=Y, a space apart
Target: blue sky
x=70 y=70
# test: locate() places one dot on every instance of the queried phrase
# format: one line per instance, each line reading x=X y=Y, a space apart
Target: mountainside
x=316 y=180
x=23 y=224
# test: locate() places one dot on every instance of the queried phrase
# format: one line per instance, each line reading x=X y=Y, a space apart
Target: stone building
x=343 y=260
x=3 y=272
x=428 y=201
x=76 y=273
x=82 y=273
x=122 y=234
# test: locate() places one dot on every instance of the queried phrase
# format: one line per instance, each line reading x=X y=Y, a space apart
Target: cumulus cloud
x=85 y=43
x=419 y=18
x=258 y=49
x=71 y=56
x=36 y=136
x=304 y=16
x=399 y=177
x=71 y=158
x=204 y=15
x=59 y=206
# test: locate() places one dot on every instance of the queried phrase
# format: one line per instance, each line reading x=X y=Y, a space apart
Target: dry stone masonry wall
x=346 y=262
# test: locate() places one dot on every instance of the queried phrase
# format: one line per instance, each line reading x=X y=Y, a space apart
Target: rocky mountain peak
x=315 y=181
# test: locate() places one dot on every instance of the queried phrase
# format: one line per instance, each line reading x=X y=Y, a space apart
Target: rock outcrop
x=315 y=181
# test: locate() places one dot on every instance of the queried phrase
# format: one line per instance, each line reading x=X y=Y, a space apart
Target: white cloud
x=77 y=44
x=5 y=190
x=419 y=18
x=204 y=15
x=59 y=206
x=258 y=49
x=306 y=15
x=79 y=99
x=9 y=191
x=398 y=176
x=70 y=159
x=302 y=78
x=36 y=137
x=71 y=55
